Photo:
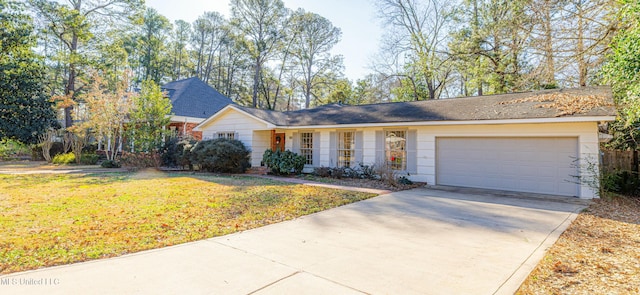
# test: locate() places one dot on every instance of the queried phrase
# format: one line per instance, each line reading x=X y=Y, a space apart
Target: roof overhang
x=229 y=108
x=462 y=122
x=185 y=119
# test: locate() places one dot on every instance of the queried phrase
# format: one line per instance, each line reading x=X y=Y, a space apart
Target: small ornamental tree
x=107 y=110
x=148 y=119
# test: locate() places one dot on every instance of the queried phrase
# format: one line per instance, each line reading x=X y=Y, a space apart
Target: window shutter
x=333 y=150
x=380 y=148
x=316 y=149
x=358 y=151
x=296 y=143
x=412 y=151
x=215 y=135
x=236 y=136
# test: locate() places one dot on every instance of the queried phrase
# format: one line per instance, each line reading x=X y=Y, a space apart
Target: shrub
x=387 y=175
x=109 y=164
x=221 y=155
x=404 y=180
x=10 y=149
x=367 y=171
x=177 y=152
x=140 y=160
x=322 y=171
x=89 y=159
x=283 y=163
x=64 y=159
x=622 y=182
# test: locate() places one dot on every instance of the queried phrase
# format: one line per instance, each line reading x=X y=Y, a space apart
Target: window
x=395 y=149
x=306 y=147
x=227 y=135
x=346 y=145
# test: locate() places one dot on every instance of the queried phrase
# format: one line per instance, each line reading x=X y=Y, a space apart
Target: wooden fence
x=620 y=160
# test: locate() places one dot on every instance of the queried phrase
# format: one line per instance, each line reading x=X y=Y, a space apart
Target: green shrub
x=11 y=149
x=283 y=163
x=221 y=155
x=141 y=160
x=177 y=152
x=404 y=180
x=622 y=182
x=89 y=159
x=64 y=159
x=109 y=164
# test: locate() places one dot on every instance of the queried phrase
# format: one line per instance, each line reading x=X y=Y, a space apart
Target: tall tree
x=25 y=110
x=416 y=38
x=260 y=21
x=180 y=58
x=316 y=38
x=73 y=25
x=622 y=71
x=150 y=44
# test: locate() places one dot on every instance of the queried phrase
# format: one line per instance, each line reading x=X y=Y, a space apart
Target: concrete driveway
x=413 y=242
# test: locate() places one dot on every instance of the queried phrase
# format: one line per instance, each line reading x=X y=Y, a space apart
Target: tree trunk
x=256 y=82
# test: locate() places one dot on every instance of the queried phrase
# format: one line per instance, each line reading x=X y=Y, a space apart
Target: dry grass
x=598 y=254
x=50 y=219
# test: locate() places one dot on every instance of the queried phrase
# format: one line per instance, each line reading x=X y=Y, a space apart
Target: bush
x=177 y=152
x=404 y=180
x=322 y=171
x=89 y=159
x=64 y=159
x=109 y=164
x=283 y=163
x=140 y=160
x=221 y=155
x=11 y=149
x=622 y=182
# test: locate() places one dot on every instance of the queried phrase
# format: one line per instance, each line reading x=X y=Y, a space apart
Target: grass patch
x=50 y=220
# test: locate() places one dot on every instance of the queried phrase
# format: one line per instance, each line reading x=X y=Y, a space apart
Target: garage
x=545 y=165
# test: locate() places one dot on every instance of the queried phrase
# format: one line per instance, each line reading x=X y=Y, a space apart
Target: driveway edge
x=513 y=283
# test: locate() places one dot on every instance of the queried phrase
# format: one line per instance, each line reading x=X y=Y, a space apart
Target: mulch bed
x=598 y=254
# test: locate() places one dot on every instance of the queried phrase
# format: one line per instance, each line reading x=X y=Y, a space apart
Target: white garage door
x=539 y=165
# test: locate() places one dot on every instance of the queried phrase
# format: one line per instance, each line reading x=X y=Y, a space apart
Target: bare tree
x=260 y=22
x=416 y=37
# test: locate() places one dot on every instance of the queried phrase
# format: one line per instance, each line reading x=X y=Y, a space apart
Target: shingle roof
x=586 y=101
x=193 y=98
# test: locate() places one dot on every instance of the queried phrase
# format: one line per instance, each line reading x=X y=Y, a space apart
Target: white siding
x=244 y=126
x=261 y=142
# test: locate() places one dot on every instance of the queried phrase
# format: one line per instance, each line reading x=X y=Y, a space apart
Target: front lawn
x=48 y=220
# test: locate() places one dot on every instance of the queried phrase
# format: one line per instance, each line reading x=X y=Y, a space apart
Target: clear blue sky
x=361 y=33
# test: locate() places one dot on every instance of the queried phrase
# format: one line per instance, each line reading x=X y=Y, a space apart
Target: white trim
x=227 y=108
x=184 y=119
x=467 y=122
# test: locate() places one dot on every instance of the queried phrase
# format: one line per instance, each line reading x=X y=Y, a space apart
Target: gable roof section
x=193 y=98
x=527 y=105
x=248 y=112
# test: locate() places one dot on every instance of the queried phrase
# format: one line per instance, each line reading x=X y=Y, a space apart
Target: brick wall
x=181 y=127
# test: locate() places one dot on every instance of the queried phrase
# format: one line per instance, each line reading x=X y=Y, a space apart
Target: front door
x=277 y=141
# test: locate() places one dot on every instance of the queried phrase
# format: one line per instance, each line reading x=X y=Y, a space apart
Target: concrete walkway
x=412 y=242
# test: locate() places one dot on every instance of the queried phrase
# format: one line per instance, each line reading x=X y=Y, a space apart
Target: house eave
x=186 y=119
x=227 y=108
x=576 y=119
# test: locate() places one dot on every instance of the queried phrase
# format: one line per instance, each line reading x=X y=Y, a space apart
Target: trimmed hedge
x=283 y=163
x=221 y=155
